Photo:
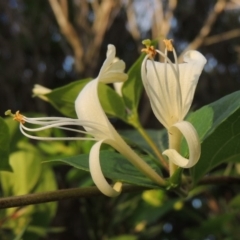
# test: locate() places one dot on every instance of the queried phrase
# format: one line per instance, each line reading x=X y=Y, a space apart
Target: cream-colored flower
x=96 y=124
x=40 y=91
x=170 y=88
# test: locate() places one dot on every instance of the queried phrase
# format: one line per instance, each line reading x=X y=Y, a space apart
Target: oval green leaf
x=4 y=146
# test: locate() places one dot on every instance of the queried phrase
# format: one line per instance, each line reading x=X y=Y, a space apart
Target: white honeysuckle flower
x=170 y=88
x=40 y=91
x=96 y=124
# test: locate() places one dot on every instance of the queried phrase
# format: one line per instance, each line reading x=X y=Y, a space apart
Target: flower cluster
x=170 y=87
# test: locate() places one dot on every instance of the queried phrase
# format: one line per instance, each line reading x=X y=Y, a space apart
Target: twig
x=64 y=7
x=81 y=13
x=36 y=198
x=205 y=30
x=104 y=16
x=219 y=180
x=132 y=21
x=162 y=20
x=222 y=37
x=69 y=33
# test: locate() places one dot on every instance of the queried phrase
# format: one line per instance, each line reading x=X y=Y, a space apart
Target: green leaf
x=145 y=211
x=235 y=202
x=42 y=214
x=218 y=125
x=124 y=237
x=132 y=88
x=218 y=226
x=47 y=182
x=63 y=99
x=114 y=166
x=133 y=137
x=29 y=176
x=175 y=179
x=4 y=146
x=15 y=134
x=26 y=167
x=111 y=102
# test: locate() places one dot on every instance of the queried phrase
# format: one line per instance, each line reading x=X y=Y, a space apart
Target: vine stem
x=174 y=139
x=51 y=196
x=154 y=147
x=36 y=198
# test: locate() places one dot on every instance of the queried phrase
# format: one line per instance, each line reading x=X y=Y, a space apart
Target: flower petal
x=89 y=109
x=40 y=91
x=189 y=75
x=171 y=95
x=191 y=136
x=112 y=69
x=154 y=91
x=111 y=53
x=87 y=105
x=97 y=175
x=118 y=87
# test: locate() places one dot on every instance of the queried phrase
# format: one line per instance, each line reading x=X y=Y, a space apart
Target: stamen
x=44 y=123
x=54 y=138
x=151 y=91
x=178 y=77
x=168 y=44
x=57 y=122
x=169 y=47
x=168 y=61
x=150 y=49
x=17 y=116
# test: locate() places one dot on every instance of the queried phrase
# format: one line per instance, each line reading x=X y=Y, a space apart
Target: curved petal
x=39 y=91
x=89 y=109
x=191 y=136
x=87 y=105
x=118 y=87
x=163 y=91
x=111 y=52
x=97 y=175
x=153 y=89
x=189 y=75
x=112 y=68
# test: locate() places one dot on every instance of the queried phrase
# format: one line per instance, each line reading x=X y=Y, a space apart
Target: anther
x=168 y=44
x=150 y=50
x=17 y=116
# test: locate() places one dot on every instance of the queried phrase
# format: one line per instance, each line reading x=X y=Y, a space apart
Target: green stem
x=154 y=147
x=181 y=193
x=138 y=162
x=174 y=139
